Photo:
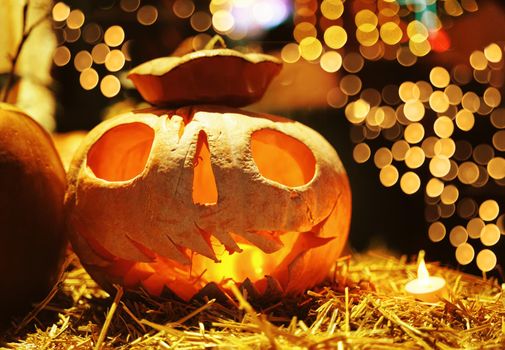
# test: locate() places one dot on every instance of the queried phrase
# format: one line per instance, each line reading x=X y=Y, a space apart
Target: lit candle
x=425 y=287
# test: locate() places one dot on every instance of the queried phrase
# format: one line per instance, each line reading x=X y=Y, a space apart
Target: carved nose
x=204 y=182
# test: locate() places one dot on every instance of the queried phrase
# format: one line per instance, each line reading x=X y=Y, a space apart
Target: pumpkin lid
x=209 y=76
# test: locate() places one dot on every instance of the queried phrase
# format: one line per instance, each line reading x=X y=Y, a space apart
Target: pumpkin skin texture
x=32 y=187
x=177 y=199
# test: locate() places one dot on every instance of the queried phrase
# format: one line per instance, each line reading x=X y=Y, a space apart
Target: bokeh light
x=75 y=19
x=61 y=56
x=114 y=36
x=486 y=260
x=129 y=5
x=147 y=15
x=114 y=61
x=410 y=182
x=60 y=12
x=88 y=78
x=110 y=86
x=183 y=8
x=83 y=60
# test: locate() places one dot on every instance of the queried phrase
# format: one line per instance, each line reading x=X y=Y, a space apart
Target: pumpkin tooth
x=124 y=248
x=137 y=273
x=154 y=284
x=194 y=241
x=223 y=237
x=227 y=240
x=161 y=245
x=264 y=240
x=209 y=252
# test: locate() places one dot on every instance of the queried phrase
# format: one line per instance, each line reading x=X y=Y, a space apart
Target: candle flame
x=422 y=272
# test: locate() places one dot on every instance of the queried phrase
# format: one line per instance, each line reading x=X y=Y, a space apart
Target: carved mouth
x=261 y=270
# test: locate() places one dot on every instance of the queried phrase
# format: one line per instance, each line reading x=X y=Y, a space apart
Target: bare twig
x=14 y=59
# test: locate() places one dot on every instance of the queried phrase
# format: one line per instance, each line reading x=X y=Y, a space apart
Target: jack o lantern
x=177 y=198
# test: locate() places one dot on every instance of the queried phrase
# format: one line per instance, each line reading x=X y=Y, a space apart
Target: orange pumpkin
x=32 y=186
x=179 y=198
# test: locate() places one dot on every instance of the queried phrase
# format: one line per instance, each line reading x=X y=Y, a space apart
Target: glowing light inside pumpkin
x=282 y=158
x=186 y=281
x=122 y=152
x=232 y=266
x=204 y=182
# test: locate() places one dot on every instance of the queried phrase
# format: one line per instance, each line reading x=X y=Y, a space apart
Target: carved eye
x=282 y=158
x=122 y=152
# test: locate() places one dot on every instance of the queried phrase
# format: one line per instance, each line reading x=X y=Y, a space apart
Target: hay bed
x=364 y=308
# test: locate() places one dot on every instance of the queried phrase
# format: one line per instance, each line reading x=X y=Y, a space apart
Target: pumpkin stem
x=212 y=42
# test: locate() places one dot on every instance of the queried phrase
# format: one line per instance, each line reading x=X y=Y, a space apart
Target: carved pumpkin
x=32 y=186
x=179 y=198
